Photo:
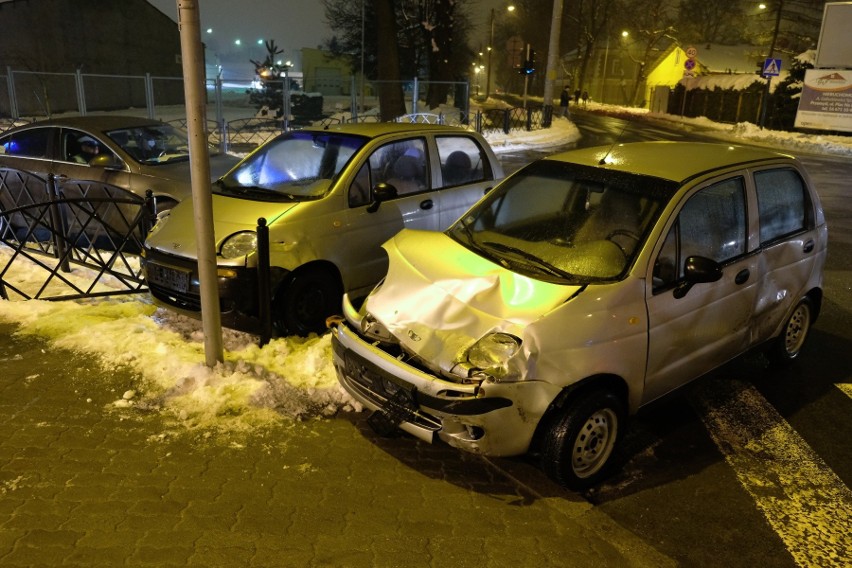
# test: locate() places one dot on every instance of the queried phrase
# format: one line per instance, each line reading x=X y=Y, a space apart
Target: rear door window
x=462 y=161
x=782 y=203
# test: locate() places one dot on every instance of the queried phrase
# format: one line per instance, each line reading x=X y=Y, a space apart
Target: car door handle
x=742 y=276
x=809 y=245
x=427 y=204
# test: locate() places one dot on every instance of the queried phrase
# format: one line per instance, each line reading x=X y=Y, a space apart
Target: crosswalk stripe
x=805 y=502
x=662 y=134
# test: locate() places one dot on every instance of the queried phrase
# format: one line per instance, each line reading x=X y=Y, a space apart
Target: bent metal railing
x=84 y=237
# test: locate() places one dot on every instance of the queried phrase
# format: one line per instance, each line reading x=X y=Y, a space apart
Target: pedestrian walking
x=585 y=98
x=564 y=98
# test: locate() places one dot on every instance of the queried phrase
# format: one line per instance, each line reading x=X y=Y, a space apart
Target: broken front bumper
x=497 y=419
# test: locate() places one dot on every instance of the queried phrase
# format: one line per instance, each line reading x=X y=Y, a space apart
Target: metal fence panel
x=84 y=236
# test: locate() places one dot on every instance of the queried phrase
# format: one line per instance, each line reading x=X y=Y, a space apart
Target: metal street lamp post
x=509 y=8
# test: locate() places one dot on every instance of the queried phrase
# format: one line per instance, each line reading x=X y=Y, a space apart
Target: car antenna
x=614 y=142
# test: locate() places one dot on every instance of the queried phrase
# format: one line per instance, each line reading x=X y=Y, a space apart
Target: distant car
x=582 y=288
x=330 y=198
x=136 y=154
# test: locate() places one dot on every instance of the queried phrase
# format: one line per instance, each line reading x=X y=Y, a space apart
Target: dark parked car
x=136 y=154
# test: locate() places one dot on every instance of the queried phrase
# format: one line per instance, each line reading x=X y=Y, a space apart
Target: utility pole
x=764 y=103
x=552 y=53
x=199 y=161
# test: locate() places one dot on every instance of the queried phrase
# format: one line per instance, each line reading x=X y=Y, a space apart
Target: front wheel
x=579 y=441
x=788 y=345
x=304 y=303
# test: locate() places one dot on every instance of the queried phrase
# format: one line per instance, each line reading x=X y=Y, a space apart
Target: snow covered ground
x=289 y=378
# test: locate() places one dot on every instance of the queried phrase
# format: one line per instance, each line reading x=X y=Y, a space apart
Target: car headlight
x=239 y=244
x=493 y=351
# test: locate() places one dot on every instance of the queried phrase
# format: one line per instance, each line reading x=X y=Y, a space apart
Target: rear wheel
x=306 y=300
x=788 y=345
x=579 y=441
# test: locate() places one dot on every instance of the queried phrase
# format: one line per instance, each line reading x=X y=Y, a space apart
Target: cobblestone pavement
x=85 y=484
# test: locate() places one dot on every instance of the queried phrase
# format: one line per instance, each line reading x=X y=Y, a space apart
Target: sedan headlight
x=492 y=353
x=239 y=244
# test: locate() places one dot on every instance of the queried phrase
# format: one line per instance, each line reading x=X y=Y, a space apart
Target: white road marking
x=805 y=502
x=663 y=134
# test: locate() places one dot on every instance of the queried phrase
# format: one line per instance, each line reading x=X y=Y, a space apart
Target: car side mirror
x=697 y=270
x=381 y=192
x=105 y=161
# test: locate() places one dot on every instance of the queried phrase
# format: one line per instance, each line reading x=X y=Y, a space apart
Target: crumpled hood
x=177 y=234
x=439 y=298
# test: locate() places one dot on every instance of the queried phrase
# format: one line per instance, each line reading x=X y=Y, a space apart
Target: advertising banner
x=826 y=102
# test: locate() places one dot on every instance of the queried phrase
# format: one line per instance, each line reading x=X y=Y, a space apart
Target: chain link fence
x=243 y=114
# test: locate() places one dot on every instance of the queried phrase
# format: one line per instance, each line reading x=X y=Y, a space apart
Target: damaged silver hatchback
x=579 y=290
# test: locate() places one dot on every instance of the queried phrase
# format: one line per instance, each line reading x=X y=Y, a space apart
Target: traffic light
x=529 y=63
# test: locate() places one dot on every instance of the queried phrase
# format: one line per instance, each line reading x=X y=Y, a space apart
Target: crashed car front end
x=466 y=383
x=476 y=413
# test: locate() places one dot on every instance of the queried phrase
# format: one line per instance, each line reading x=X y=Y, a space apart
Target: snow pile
x=291 y=378
x=561 y=132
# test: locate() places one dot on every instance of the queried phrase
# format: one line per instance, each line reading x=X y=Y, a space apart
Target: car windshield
x=153 y=144
x=565 y=223
x=297 y=165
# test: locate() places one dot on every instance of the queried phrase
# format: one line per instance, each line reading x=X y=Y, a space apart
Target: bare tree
x=651 y=24
x=711 y=21
x=428 y=37
x=391 y=101
x=593 y=23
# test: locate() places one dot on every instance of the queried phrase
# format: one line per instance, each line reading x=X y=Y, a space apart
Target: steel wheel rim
x=797 y=330
x=594 y=442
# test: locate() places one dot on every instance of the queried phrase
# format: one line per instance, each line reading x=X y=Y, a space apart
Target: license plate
x=372 y=378
x=170 y=278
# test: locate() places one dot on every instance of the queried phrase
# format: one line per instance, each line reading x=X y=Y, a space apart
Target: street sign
x=771 y=67
x=691 y=52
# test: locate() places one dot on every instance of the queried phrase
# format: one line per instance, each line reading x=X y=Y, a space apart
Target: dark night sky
x=293 y=24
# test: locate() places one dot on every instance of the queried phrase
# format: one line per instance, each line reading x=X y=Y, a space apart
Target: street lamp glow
x=762 y=6
x=238 y=42
x=209 y=30
x=260 y=41
x=509 y=8
x=625 y=33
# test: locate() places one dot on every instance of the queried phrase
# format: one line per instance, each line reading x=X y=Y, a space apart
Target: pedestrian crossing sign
x=771 y=67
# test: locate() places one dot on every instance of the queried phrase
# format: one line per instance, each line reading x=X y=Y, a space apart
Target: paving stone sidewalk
x=85 y=484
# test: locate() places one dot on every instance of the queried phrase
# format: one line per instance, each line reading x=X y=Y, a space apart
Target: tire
x=579 y=441
x=305 y=301
x=787 y=346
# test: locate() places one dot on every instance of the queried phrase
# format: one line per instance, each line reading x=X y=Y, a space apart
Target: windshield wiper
x=539 y=262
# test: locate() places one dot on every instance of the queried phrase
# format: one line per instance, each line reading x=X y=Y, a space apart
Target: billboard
x=834 y=49
x=826 y=102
